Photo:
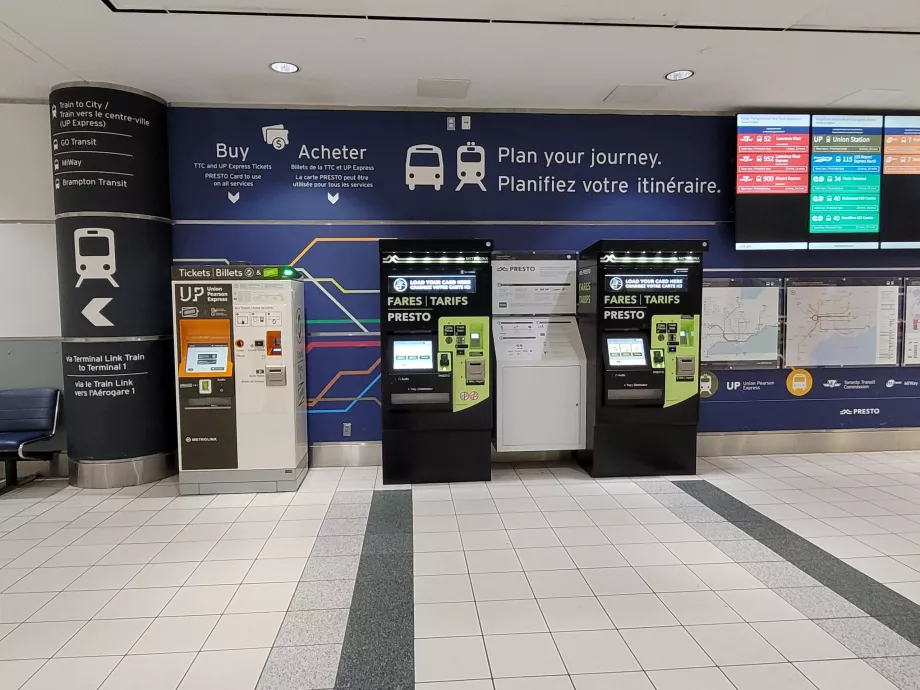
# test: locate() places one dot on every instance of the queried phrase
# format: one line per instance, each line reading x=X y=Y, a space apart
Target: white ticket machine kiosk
x=539 y=358
x=241 y=381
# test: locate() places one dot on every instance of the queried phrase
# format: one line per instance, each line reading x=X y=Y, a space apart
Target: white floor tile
x=137 y=603
x=768 y=677
x=569 y=518
x=612 y=581
x=446 y=620
x=637 y=611
x=235 y=670
x=517 y=656
x=153 y=672
x=438 y=589
x=734 y=644
x=671 y=578
x=599 y=556
x=441 y=562
x=232 y=550
x=533 y=538
x=690 y=679
x=552 y=584
x=500 y=586
x=510 y=617
x=105 y=638
x=628 y=534
x=599 y=651
x=665 y=648
x=184 y=551
x=14 y=674
x=498 y=561
x=699 y=608
x=73 y=674
x=18 y=608
x=199 y=601
x=220 y=573
x=244 y=631
x=73 y=606
x=524 y=521
x=885 y=569
x=276 y=570
x=546 y=558
x=573 y=614
x=631 y=680
x=106 y=577
x=425 y=542
x=854 y=674
x=698 y=553
x=480 y=522
x=450 y=659
x=49 y=580
x=802 y=641
x=162 y=575
x=760 y=605
x=264 y=598
x=544 y=683
x=166 y=635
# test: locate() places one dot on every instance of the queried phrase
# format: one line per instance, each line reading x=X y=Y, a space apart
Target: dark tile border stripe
x=379 y=647
x=897 y=612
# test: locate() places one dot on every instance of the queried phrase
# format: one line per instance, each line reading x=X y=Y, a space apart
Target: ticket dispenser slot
x=275 y=375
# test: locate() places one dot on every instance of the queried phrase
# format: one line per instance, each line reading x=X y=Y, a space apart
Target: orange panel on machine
x=203 y=332
x=273 y=343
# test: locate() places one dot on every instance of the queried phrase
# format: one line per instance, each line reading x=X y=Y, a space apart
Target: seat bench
x=27 y=416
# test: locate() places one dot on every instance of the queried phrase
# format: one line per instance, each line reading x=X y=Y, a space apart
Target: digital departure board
x=846 y=167
x=772 y=181
x=773 y=154
x=900 y=215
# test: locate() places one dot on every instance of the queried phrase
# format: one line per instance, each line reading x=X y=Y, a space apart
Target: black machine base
x=638 y=451
x=419 y=457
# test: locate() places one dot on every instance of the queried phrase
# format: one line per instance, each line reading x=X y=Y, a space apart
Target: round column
x=114 y=246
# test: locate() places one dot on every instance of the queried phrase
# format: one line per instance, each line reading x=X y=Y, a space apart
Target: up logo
x=187 y=293
x=732 y=385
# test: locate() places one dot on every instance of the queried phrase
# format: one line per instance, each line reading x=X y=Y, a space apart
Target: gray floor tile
x=903 y=671
x=775 y=575
x=343 y=526
x=330 y=568
x=720 y=531
x=866 y=637
x=305 y=668
x=348 y=510
x=819 y=602
x=338 y=546
x=747 y=551
x=692 y=515
x=352 y=497
x=327 y=594
x=302 y=628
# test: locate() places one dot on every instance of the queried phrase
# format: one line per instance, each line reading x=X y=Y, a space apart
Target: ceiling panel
x=829 y=14
x=194 y=58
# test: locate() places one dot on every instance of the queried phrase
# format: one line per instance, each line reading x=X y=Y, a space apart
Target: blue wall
x=346 y=173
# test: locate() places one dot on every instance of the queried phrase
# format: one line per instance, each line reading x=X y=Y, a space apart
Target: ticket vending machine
x=539 y=358
x=436 y=359
x=241 y=381
x=639 y=306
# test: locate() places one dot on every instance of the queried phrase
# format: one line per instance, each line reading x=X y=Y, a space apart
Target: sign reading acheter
x=109 y=151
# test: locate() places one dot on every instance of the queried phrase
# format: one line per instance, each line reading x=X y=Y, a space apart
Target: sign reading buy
x=773 y=154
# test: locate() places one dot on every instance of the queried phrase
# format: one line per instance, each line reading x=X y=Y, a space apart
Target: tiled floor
x=543 y=579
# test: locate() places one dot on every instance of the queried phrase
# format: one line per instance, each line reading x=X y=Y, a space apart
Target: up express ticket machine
x=241 y=381
x=435 y=301
x=639 y=306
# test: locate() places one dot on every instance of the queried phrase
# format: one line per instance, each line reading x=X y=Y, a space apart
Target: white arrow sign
x=333 y=198
x=93 y=311
x=233 y=197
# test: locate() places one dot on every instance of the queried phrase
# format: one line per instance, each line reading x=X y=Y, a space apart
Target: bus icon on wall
x=424 y=167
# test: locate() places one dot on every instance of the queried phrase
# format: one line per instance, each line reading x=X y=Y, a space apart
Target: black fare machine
x=639 y=306
x=435 y=306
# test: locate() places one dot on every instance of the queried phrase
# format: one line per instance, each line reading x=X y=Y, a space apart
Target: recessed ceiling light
x=679 y=75
x=284 y=67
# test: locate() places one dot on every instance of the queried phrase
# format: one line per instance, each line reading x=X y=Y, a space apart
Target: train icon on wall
x=425 y=166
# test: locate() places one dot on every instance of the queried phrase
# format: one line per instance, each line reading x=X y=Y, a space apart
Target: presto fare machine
x=437 y=409
x=639 y=315
x=241 y=378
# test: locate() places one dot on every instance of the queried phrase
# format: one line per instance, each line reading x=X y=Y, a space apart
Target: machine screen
x=413 y=355
x=206 y=359
x=626 y=352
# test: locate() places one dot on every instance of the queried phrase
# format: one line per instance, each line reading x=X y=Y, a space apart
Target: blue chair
x=26 y=417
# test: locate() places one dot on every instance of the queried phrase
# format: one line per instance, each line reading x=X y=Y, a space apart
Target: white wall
x=28 y=280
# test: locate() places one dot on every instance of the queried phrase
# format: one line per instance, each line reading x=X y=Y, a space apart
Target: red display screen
x=773 y=154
